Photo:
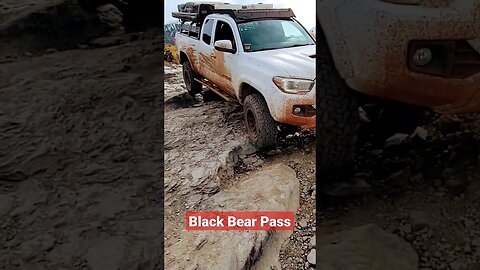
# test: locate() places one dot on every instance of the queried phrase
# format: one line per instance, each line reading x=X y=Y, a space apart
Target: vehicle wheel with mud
x=338 y=119
x=261 y=127
x=193 y=87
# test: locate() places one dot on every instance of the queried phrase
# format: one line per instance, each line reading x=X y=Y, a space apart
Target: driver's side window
x=223 y=31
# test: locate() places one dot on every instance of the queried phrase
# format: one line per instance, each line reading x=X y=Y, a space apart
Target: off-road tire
x=337 y=118
x=193 y=87
x=261 y=127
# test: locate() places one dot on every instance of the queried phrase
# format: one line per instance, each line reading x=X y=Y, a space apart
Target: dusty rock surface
x=80 y=158
x=366 y=247
x=274 y=188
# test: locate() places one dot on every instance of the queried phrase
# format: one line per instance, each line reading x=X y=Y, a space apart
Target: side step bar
x=215 y=89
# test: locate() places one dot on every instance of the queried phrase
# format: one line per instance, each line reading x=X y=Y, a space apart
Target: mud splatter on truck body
x=216 y=66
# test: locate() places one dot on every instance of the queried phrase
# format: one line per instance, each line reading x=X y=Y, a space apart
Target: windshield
x=273 y=34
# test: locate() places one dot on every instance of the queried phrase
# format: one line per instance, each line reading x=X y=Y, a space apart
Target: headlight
x=293 y=86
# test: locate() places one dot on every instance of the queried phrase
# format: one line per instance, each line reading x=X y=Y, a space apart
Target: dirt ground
x=424 y=191
x=80 y=155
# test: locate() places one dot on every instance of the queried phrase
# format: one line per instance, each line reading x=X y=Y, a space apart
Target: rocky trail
x=209 y=165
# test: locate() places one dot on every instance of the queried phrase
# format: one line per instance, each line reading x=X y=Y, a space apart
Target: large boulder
x=273 y=189
x=138 y=15
x=111 y=17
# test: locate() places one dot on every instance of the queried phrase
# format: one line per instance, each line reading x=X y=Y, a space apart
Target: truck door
x=218 y=65
x=204 y=48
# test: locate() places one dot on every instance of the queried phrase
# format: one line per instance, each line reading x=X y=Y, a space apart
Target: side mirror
x=224 y=46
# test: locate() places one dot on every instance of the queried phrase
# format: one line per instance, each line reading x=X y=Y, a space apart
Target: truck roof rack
x=197 y=11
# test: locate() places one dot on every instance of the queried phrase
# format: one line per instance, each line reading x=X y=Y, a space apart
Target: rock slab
x=275 y=188
x=365 y=248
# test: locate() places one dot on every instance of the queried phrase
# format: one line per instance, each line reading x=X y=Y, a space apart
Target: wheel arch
x=183 y=57
x=246 y=89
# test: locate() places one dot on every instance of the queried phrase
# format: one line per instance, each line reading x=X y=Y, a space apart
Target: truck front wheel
x=338 y=120
x=261 y=127
x=193 y=87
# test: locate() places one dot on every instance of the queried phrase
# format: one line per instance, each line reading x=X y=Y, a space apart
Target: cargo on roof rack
x=197 y=11
x=193 y=6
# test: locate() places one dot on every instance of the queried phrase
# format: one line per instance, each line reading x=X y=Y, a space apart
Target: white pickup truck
x=260 y=56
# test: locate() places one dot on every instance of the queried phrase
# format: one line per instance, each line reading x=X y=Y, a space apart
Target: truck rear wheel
x=193 y=87
x=261 y=127
x=338 y=119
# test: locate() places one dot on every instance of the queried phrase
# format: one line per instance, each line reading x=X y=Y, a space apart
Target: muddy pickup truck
x=421 y=53
x=257 y=55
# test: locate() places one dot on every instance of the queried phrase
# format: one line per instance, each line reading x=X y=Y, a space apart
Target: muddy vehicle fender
x=255 y=80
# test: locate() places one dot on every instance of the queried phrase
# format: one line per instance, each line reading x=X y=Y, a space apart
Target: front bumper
x=281 y=106
x=379 y=57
